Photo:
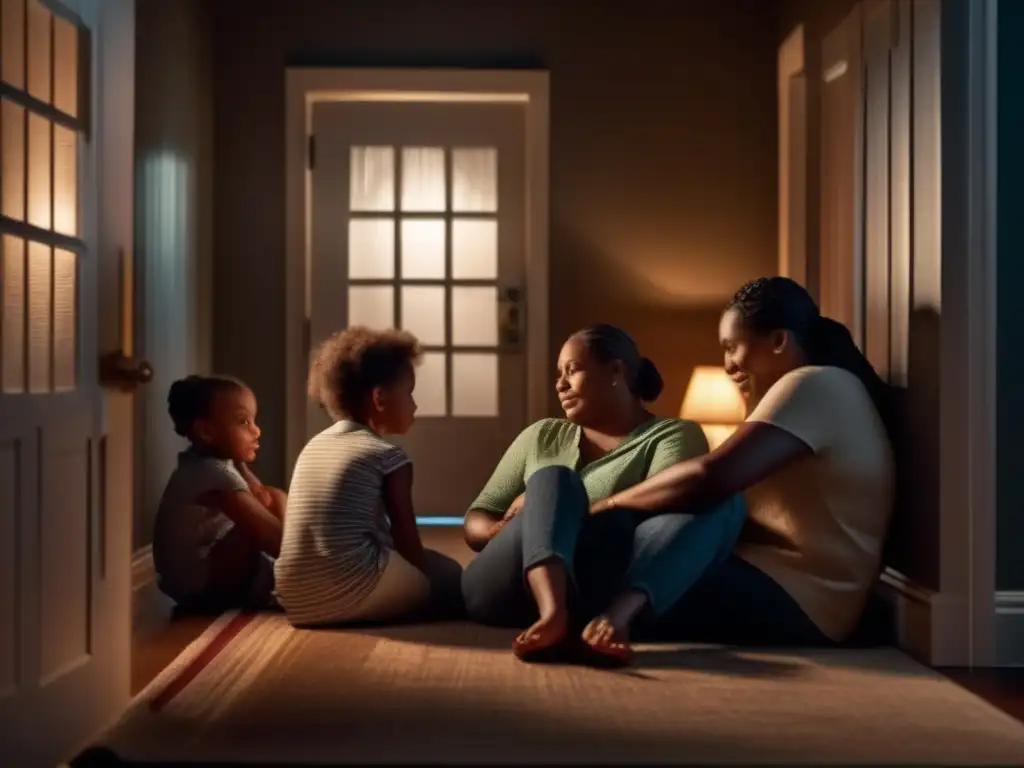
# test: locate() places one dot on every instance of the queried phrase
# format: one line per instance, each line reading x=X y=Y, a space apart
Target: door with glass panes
x=65 y=211
x=418 y=223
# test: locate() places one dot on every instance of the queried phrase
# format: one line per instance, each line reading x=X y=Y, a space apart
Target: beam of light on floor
x=445 y=521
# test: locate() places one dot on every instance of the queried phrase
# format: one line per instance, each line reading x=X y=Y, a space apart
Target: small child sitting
x=217 y=528
x=351 y=549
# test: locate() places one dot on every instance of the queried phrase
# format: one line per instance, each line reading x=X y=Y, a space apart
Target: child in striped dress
x=351 y=551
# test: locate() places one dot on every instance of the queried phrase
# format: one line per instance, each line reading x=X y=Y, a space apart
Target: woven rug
x=253 y=690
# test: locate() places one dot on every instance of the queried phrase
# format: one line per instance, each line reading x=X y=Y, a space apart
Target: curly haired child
x=351 y=550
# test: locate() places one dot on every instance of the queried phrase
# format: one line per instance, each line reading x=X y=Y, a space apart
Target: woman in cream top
x=813 y=462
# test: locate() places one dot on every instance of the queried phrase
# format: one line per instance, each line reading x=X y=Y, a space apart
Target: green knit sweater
x=650 y=448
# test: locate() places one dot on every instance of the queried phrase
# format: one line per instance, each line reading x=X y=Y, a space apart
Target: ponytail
x=830 y=343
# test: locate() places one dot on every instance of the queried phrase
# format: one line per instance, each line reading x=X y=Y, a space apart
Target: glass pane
x=423 y=313
x=423 y=249
x=422 y=179
x=65 y=66
x=430 y=385
x=39 y=195
x=372 y=306
x=40 y=316
x=475 y=180
x=39 y=23
x=475 y=249
x=371 y=249
x=474 y=384
x=475 y=317
x=12 y=46
x=372 y=179
x=13 y=317
x=12 y=167
x=65 y=320
x=65 y=181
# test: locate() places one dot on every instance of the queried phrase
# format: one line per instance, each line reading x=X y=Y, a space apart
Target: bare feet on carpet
x=545 y=634
x=607 y=643
x=607 y=637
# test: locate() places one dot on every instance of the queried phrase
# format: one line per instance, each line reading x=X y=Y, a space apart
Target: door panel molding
x=68 y=643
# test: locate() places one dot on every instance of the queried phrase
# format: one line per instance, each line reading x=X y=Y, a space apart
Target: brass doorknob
x=124 y=373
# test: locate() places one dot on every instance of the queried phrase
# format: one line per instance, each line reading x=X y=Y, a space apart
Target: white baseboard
x=1009 y=629
x=149 y=607
x=928 y=623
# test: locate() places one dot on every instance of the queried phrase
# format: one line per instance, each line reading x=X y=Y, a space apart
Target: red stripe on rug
x=201 y=661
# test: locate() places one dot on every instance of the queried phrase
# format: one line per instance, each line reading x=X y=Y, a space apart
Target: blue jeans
x=698 y=590
x=605 y=554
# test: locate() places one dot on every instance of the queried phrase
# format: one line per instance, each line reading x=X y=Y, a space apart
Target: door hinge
x=311 y=153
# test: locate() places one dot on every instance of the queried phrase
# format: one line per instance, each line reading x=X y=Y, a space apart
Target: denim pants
x=667 y=557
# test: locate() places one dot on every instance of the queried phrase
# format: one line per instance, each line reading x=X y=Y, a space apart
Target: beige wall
x=173 y=224
x=663 y=166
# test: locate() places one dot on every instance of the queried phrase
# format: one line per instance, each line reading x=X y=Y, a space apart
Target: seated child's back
x=337 y=541
x=351 y=549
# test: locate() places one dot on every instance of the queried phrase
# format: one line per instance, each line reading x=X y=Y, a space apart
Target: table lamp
x=713 y=401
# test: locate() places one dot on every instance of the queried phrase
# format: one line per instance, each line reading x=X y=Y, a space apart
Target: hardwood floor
x=152 y=652
x=1003 y=688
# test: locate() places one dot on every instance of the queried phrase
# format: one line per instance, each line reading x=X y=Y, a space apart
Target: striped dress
x=336 y=542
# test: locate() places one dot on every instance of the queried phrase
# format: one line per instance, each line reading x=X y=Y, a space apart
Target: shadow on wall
x=913 y=544
x=676 y=335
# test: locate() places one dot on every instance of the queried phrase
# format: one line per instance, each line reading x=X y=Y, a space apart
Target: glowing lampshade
x=713 y=401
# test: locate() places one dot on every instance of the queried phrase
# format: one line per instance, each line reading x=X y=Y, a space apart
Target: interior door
x=418 y=222
x=64 y=579
x=842 y=182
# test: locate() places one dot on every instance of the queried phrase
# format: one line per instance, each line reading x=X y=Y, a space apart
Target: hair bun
x=649 y=383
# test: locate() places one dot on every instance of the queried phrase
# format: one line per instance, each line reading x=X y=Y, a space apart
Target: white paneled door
x=418 y=222
x=64 y=577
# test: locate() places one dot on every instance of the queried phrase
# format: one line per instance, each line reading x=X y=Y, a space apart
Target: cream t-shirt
x=817 y=527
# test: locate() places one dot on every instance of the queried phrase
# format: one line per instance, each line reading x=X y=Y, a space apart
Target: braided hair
x=188 y=399
x=778 y=303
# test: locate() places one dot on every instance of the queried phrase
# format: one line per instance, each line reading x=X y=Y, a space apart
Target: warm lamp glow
x=714 y=402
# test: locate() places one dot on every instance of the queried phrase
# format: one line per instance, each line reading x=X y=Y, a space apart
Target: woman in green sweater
x=544 y=562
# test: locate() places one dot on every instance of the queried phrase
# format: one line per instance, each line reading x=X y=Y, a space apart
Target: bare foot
x=545 y=634
x=608 y=644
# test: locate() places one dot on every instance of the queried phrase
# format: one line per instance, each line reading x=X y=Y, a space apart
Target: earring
x=615 y=383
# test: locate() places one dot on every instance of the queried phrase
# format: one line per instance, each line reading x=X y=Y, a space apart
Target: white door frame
x=306 y=86
x=960 y=629
x=956 y=625
x=975 y=234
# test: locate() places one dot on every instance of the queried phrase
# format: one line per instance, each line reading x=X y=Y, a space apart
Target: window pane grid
x=441 y=254
x=39 y=318
x=40 y=249
x=415 y=215
x=41 y=63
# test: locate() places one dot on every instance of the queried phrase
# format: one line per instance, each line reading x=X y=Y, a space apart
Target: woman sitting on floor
x=811 y=470
x=528 y=517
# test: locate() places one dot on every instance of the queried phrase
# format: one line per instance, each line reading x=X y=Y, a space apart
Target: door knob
x=510 y=318
x=117 y=371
